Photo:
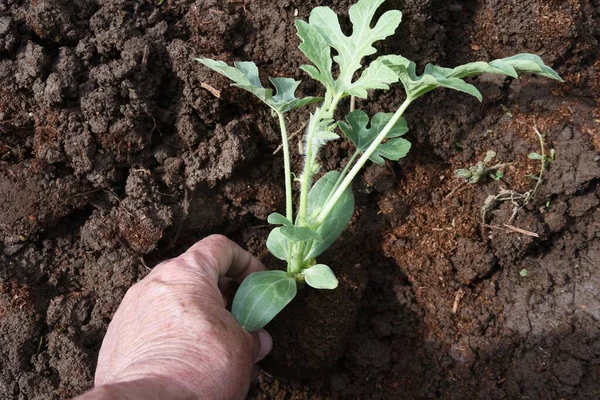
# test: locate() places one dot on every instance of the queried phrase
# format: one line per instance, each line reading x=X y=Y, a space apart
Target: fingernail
x=266 y=344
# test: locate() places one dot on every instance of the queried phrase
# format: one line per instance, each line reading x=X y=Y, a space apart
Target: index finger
x=223 y=257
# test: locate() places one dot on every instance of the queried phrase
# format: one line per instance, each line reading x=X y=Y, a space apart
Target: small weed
x=482 y=169
x=520 y=200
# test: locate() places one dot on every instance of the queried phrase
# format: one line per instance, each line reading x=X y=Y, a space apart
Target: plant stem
x=307 y=171
x=362 y=160
x=287 y=167
x=310 y=156
x=542 y=167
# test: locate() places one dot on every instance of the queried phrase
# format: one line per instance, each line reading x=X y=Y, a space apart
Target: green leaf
x=316 y=49
x=452 y=78
x=323 y=31
x=489 y=156
x=285 y=99
x=392 y=150
x=278 y=244
x=375 y=76
x=463 y=173
x=245 y=76
x=337 y=220
x=278 y=219
x=526 y=62
x=300 y=233
x=535 y=156
x=320 y=276
x=498 y=175
x=356 y=130
x=261 y=296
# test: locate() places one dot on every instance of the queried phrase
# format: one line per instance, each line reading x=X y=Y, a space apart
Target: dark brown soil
x=310 y=335
x=114 y=154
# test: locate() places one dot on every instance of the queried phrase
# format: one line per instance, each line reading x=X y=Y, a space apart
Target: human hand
x=172 y=329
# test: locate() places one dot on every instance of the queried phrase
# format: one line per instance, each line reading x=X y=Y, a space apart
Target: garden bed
x=117 y=151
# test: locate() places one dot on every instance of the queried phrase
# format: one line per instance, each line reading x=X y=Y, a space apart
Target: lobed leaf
x=245 y=76
x=355 y=128
x=376 y=76
x=337 y=220
x=261 y=296
x=323 y=32
x=316 y=49
x=452 y=78
x=285 y=99
x=320 y=276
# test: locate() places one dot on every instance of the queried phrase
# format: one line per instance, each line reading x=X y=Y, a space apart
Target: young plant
x=482 y=169
x=326 y=206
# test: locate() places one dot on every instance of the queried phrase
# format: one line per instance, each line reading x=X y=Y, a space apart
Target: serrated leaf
x=279 y=245
x=245 y=76
x=356 y=130
x=320 y=276
x=278 y=219
x=285 y=99
x=300 y=233
x=316 y=49
x=435 y=76
x=337 y=220
x=261 y=296
x=324 y=29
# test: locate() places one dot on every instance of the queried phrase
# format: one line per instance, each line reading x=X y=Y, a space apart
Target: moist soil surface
x=117 y=151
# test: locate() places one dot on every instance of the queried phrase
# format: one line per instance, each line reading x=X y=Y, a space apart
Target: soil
x=117 y=151
x=308 y=338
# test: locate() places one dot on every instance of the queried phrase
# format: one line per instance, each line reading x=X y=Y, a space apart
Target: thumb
x=262 y=343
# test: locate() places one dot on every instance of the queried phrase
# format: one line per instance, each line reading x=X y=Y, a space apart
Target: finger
x=262 y=344
x=223 y=257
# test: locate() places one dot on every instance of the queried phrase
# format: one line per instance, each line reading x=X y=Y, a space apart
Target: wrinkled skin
x=172 y=337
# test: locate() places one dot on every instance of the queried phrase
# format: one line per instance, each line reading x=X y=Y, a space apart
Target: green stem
x=310 y=156
x=307 y=171
x=542 y=167
x=287 y=168
x=362 y=160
